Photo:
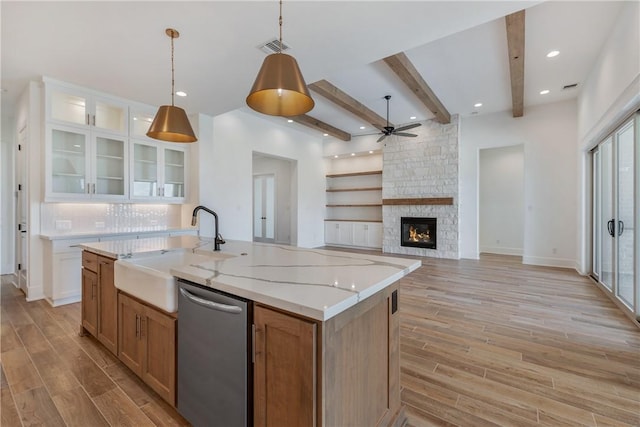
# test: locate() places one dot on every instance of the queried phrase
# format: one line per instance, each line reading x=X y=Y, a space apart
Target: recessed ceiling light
x=544 y=92
x=181 y=93
x=553 y=53
x=289 y=121
x=370 y=151
x=335 y=157
x=362 y=127
x=135 y=118
x=353 y=154
x=325 y=134
x=477 y=104
x=412 y=118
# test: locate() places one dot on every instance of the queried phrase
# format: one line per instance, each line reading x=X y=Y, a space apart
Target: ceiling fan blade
x=405 y=134
x=382 y=137
x=407 y=127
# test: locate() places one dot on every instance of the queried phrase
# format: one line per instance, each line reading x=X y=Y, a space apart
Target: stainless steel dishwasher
x=214 y=372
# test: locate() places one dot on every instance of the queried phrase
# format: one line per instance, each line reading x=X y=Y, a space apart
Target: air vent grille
x=571 y=86
x=273 y=46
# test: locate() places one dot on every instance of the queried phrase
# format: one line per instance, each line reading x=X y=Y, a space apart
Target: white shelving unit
x=354 y=209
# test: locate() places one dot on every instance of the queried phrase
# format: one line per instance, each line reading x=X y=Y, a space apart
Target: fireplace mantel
x=419 y=201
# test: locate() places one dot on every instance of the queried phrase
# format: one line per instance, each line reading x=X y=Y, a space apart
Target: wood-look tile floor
x=483 y=343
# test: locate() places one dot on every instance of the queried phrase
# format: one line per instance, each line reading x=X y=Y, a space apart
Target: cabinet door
x=90 y=301
x=284 y=369
x=144 y=170
x=130 y=343
x=374 y=235
x=345 y=233
x=109 y=167
x=331 y=232
x=66 y=279
x=109 y=115
x=67 y=162
x=67 y=105
x=108 y=305
x=174 y=175
x=159 y=367
x=360 y=234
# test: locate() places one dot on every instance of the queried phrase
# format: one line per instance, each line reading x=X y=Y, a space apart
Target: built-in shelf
x=333 y=190
x=354 y=220
x=341 y=175
x=74 y=152
x=72 y=175
x=419 y=201
x=355 y=205
x=112 y=178
x=146 y=161
x=107 y=156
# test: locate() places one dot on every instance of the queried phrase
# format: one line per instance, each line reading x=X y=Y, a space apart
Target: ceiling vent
x=571 y=86
x=273 y=46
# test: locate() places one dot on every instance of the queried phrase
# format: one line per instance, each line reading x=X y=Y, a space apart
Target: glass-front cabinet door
x=110 y=167
x=68 y=105
x=158 y=172
x=68 y=167
x=144 y=183
x=174 y=173
x=82 y=166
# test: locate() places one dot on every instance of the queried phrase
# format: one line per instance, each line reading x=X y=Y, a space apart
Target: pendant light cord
x=172 y=71
x=280 y=23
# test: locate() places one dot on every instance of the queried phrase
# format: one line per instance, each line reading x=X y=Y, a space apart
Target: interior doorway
x=274 y=199
x=501 y=200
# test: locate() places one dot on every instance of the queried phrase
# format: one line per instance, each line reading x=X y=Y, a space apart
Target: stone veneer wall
x=424 y=166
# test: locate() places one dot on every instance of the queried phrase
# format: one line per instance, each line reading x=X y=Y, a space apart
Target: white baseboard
x=501 y=250
x=549 y=262
x=34 y=293
x=62 y=301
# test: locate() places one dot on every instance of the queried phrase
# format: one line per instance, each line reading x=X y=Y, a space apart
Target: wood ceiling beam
x=316 y=124
x=346 y=102
x=515 y=43
x=404 y=68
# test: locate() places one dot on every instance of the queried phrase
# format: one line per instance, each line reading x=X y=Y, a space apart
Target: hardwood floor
x=483 y=343
x=494 y=342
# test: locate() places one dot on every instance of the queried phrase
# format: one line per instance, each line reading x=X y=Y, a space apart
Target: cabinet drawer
x=90 y=261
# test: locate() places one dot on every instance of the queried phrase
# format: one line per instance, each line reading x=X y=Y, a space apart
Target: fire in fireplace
x=419 y=232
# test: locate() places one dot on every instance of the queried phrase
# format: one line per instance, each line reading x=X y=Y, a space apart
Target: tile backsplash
x=67 y=218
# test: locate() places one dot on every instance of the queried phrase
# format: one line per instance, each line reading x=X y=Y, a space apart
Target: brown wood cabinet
x=90 y=301
x=147 y=344
x=284 y=351
x=99 y=315
x=341 y=372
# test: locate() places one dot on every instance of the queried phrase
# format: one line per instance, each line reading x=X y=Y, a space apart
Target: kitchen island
x=326 y=345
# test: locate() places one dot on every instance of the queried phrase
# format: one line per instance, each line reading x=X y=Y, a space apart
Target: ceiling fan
x=390 y=130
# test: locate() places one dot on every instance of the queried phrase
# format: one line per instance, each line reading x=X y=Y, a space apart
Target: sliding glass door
x=615 y=207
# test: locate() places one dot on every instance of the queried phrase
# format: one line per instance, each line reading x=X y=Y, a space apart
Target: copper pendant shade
x=280 y=89
x=171 y=122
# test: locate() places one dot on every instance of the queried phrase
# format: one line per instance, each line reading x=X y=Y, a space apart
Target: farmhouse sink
x=148 y=277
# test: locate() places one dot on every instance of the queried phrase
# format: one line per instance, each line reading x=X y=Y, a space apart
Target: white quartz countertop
x=316 y=283
x=128 y=247
x=97 y=235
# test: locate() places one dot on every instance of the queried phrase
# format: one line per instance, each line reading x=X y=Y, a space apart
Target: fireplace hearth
x=419 y=232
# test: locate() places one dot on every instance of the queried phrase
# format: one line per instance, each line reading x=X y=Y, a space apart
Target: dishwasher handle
x=233 y=309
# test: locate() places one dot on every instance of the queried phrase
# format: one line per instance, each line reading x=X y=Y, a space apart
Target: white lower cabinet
x=359 y=234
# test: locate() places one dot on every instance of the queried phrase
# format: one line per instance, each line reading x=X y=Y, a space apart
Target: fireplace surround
x=419 y=232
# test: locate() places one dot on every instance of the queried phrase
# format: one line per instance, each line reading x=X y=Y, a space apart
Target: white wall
x=609 y=94
x=226 y=180
x=501 y=200
x=7 y=204
x=281 y=169
x=549 y=135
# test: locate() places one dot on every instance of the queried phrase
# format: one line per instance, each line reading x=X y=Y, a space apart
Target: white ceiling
x=459 y=48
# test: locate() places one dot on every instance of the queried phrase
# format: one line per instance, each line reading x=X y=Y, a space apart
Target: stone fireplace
x=420 y=180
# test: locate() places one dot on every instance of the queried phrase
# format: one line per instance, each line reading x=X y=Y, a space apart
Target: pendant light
x=280 y=89
x=171 y=122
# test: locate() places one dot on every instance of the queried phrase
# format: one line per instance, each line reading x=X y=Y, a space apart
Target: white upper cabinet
x=158 y=172
x=85 y=165
x=77 y=107
x=97 y=149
